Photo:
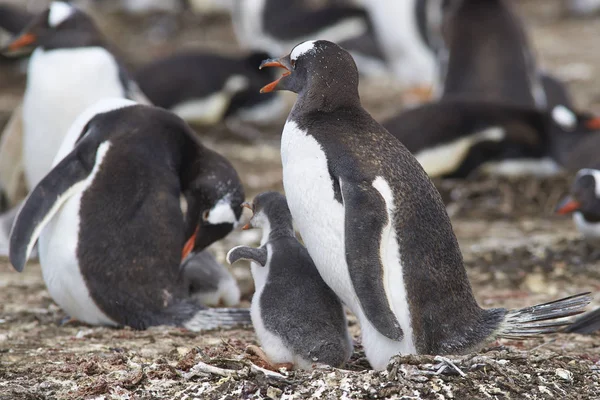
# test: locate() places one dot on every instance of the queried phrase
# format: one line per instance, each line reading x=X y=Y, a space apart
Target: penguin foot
x=263 y=360
x=417 y=95
x=67 y=320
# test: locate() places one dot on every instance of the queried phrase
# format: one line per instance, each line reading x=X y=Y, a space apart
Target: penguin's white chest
x=590 y=230
x=61 y=84
x=319 y=217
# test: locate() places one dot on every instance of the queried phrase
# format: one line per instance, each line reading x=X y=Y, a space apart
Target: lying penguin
x=584 y=203
x=346 y=180
x=298 y=319
x=206 y=88
x=208 y=281
x=109 y=222
x=458 y=136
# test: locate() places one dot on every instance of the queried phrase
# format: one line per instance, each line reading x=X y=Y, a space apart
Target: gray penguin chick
x=298 y=319
x=208 y=281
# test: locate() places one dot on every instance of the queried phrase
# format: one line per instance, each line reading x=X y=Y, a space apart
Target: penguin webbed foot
x=263 y=359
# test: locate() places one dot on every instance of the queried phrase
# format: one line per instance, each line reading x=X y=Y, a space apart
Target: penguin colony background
x=300 y=186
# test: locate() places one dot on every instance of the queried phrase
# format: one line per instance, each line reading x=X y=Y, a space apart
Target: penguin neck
x=280 y=230
x=326 y=97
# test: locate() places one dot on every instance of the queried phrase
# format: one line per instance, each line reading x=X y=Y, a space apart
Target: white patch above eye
x=59 y=12
x=222 y=213
x=302 y=48
x=564 y=117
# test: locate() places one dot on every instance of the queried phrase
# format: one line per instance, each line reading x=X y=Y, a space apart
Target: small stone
x=564 y=374
x=273 y=393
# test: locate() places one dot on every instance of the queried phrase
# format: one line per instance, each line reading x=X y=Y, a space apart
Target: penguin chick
x=584 y=203
x=109 y=220
x=298 y=319
x=376 y=227
x=209 y=281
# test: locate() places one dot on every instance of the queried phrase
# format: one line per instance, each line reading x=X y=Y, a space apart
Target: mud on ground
x=516 y=252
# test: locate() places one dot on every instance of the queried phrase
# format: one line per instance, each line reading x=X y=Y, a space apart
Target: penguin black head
x=317 y=64
x=270 y=211
x=584 y=196
x=62 y=25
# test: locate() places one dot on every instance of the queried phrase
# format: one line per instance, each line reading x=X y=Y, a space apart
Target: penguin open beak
x=282 y=62
x=568 y=205
x=189 y=245
x=250 y=207
x=23 y=43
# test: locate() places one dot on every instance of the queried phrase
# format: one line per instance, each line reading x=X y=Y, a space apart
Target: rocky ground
x=516 y=252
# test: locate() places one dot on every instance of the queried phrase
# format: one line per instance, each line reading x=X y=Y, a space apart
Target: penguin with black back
x=206 y=88
x=376 y=227
x=298 y=319
x=109 y=221
x=460 y=136
x=489 y=54
x=71 y=68
x=584 y=203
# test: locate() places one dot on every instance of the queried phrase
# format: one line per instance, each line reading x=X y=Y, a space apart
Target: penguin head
x=316 y=65
x=269 y=211
x=584 y=195
x=567 y=129
x=61 y=26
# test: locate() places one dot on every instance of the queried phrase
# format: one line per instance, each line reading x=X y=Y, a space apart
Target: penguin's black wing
x=65 y=180
x=365 y=219
x=587 y=324
x=247 y=253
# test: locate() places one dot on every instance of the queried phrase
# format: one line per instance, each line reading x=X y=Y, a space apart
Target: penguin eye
x=205 y=215
x=293 y=63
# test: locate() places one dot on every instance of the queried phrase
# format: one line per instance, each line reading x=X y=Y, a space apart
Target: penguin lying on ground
x=208 y=281
x=273 y=26
x=298 y=319
x=457 y=136
x=584 y=203
x=206 y=88
x=109 y=221
x=70 y=69
x=489 y=54
x=376 y=227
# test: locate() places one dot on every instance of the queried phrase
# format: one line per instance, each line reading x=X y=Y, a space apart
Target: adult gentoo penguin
x=584 y=203
x=298 y=319
x=375 y=225
x=70 y=69
x=489 y=54
x=109 y=221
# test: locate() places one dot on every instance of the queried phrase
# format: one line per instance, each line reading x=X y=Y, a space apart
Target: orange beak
x=22 y=41
x=273 y=63
x=189 y=245
x=251 y=208
x=593 y=123
x=567 y=206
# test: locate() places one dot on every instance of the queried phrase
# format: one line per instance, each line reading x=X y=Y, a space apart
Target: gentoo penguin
x=458 y=136
x=70 y=69
x=584 y=203
x=347 y=179
x=109 y=221
x=298 y=319
x=411 y=39
x=208 y=281
x=273 y=26
x=205 y=88
x=489 y=54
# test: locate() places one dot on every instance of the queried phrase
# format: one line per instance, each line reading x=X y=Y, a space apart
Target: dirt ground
x=516 y=252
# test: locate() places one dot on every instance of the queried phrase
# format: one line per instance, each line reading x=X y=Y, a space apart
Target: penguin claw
x=263 y=360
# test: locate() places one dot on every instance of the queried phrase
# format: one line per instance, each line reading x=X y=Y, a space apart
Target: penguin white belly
x=60 y=85
x=320 y=220
x=589 y=230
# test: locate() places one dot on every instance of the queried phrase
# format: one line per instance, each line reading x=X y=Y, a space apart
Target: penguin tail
x=214 y=318
x=542 y=318
x=587 y=324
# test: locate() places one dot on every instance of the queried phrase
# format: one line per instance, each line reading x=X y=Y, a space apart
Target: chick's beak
x=568 y=205
x=250 y=207
x=280 y=63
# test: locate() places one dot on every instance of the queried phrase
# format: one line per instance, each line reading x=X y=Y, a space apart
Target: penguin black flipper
x=68 y=178
x=587 y=324
x=363 y=249
x=248 y=253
